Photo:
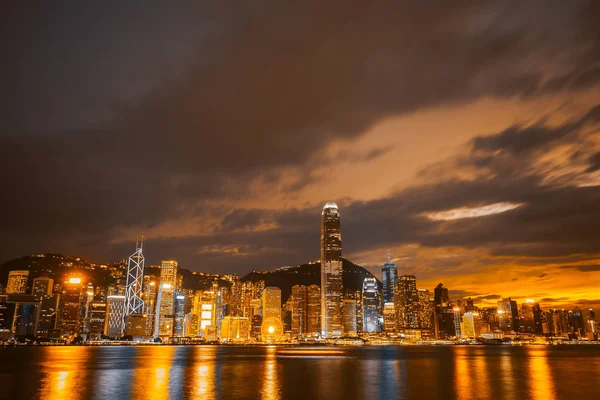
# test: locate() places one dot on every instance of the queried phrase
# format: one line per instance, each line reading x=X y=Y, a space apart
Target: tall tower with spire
x=135 y=277
x=331 y=272
x=389 y=274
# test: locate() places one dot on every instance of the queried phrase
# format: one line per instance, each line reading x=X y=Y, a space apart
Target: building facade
x=331 y=272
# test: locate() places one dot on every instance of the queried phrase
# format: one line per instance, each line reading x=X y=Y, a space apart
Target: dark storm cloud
x=554 y=221
x=126 y=115
x=582 y=268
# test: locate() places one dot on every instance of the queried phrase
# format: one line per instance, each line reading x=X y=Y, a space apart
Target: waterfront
x=231 y=372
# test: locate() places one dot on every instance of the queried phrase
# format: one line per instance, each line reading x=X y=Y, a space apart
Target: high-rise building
x=115 y=316
x=299 y=311
x=71 y=307
x=471 y=326
x=508 y=315
x=389 y=318
x=134 y=304
x=526 y=317
x=370 y=305
x=25 y=315
x=42 y=286
x=168 y=289
x=406 y=301
x=178 y=324
x=236 y=329
x=17 y=282
x=444 y=315
x=424 y=310
x=389 y=274
x=97 y=314
x=457 y=322
x=48 y=313
x=313 y=310
x=149 y=297
x=271 y=302
x=331 y=272
x=349 y=320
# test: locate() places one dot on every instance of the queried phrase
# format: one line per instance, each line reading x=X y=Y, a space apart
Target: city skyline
x=464 y=139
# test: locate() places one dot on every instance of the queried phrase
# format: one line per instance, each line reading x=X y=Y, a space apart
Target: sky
x=462 y=136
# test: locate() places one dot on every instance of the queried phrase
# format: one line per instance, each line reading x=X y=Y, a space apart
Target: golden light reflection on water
x=151 y=377
x=541 y=383
x=507 y=371
x=64 y=373
x=204 y=372
x=462 y=378
x=481 y=375
x=271 y=389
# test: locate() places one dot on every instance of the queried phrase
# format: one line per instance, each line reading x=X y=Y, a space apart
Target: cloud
x=582 y=268
x=178 y=113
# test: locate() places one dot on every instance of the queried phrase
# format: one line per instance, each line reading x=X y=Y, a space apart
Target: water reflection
x=507 y=373
x=462 y=378
x=541 y=385
x=204 y=376
x=151 y=377
x=64 y=373
x=270 y=382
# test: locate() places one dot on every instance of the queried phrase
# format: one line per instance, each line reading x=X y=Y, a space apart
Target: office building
x=406 y=302
x=42 y=286
x=17 y=282
x=370 y=305
x=166 y=304
x=115 y=316
x=331 y=272
x=313 y=310
x=71 y=307
x=299 y=311
x=349 y=319
x=389 y=274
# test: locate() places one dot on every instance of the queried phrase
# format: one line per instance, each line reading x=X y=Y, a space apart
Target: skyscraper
x=299 y=310
x=349 y=320
x=271 y=302
x=115 y=313
x=313 y=310
x=406 y=299
x=166 y=300
x=42 y=286
x=370 y=305
x=272 y=326
x=389 y=273
x=331 y=272
x=508 y=315
x=17 y=282
x=444 y=315
x=71 y=307
x=135 y=280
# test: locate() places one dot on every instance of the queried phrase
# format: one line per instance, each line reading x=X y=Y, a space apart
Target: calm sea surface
x=219 y=372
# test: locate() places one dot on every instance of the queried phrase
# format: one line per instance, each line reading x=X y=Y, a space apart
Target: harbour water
x=230 y=372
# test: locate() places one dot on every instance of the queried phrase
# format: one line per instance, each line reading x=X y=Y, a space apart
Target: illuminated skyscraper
x=17 y=282
x=389 y=274
x=313 y=310
x=331 y=272
x=508 y=315
x=406 y=299
x=115 y=316
x=471 y=325
x=425 y=310
x=42 y=286
x=166 y=300
x=444 y=315
x=299 y=311
x=135 y=280
x=349 y=320
x=71 y=307
x=370 y=305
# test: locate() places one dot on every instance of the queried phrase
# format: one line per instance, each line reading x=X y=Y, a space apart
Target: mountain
x=57 y=266
x=309 y=274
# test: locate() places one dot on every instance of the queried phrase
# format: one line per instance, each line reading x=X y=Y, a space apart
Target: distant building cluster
x=156 y=307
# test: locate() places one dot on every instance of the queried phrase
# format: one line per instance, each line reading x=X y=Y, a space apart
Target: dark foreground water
x=213 y=372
